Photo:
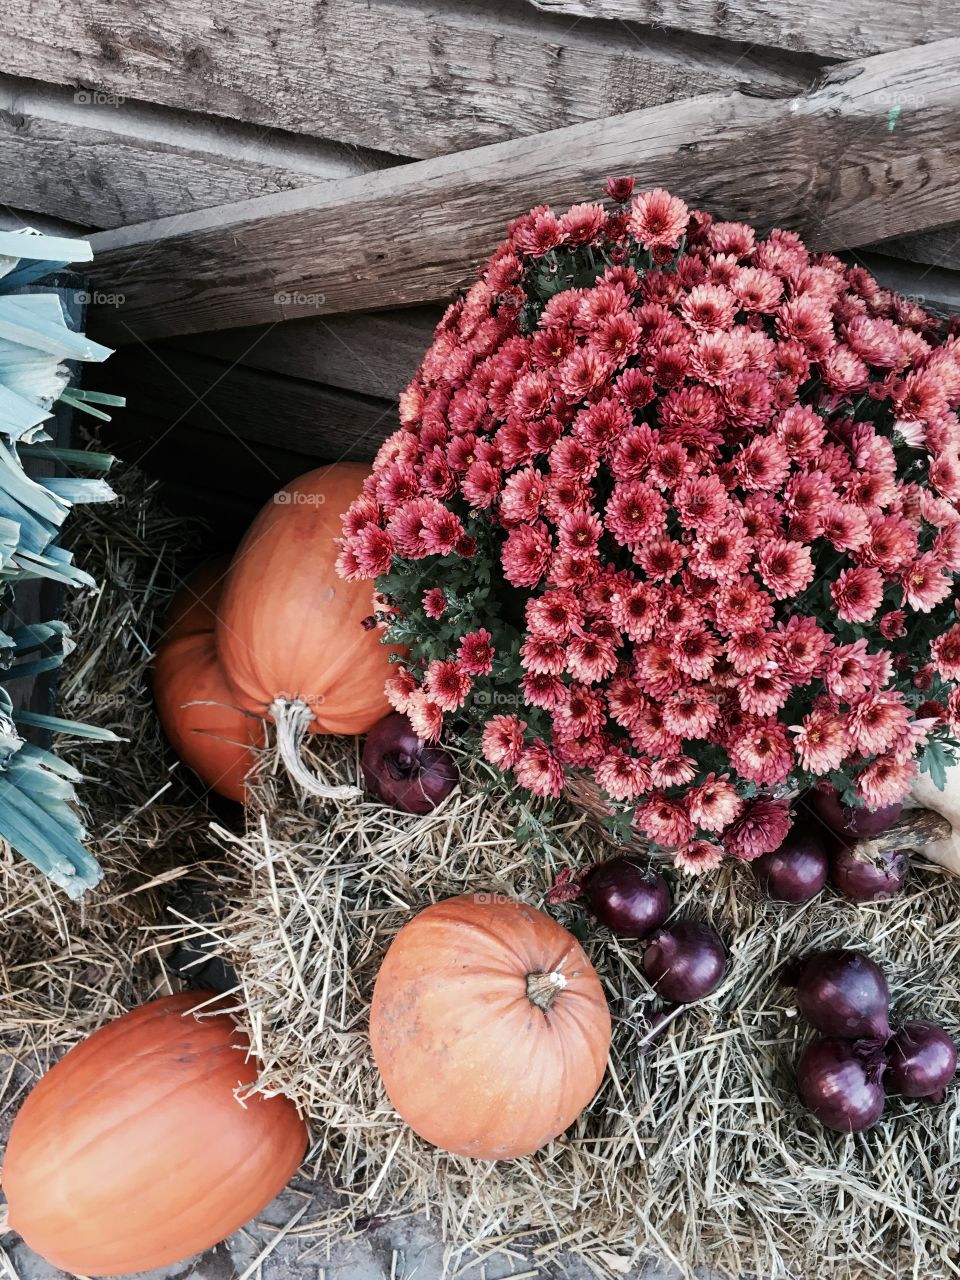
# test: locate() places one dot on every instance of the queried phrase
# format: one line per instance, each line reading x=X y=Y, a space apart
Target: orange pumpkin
x=290 y=634
x=489 y=1027
x=133 y=1151
x=194 y=607
x=196 y=708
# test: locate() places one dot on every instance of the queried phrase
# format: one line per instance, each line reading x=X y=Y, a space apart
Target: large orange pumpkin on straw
x=290 y=634
x=489 y=1026
x=196 y=707
x=133 y=1151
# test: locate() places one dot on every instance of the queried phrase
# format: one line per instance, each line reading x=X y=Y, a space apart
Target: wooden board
x=833 y=28
x=872 y=153
x=413 y=78
x=935 y=248
x=932 y=288
x=82 y=157
x=249 y=408
x=376 y=354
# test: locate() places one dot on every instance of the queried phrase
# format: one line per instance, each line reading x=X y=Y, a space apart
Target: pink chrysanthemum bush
x=676 y=507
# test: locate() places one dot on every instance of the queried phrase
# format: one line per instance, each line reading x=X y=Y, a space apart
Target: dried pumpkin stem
x=293 y=721
x=543 y=988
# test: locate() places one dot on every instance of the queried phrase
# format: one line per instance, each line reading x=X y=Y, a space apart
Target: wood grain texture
x=82 y=156
x=250 y=408
x=833 y=28
x=846 y=164
x=413 y=77
x=376 y=354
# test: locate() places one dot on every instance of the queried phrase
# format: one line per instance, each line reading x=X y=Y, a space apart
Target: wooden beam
x=416 y=77
x=873 y=152
x=85 y=157
x=374 y=353
x=934 y=248
x=932 y=288
x=832 y=28
x=248 y=407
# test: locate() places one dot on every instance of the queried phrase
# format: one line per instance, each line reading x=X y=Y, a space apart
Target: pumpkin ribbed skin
x=133 y=1153
x=290 y=627
x=197 y=709
x=466 y=1057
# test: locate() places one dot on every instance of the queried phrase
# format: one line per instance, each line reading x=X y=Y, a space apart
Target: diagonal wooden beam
x=831 y=28
x=873 y=152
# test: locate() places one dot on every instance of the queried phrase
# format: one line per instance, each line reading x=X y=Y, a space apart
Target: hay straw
x=699 y=1151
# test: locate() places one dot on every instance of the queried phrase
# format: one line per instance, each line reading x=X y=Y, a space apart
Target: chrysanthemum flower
x=785 y=567
x=858 y=593
x=821 y=741
x=539 y=770
x=698 y=857
x=658 y=219
x=945 y=652
x=665 y=821
x=475 y=652
x=760 y=828
x=760 y=751
x=623 y=776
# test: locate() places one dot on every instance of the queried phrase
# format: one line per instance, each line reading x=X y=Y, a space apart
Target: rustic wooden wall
x=284 y=196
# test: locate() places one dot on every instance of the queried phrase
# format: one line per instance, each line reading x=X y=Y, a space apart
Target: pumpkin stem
x=293 y=720
x=543 y=988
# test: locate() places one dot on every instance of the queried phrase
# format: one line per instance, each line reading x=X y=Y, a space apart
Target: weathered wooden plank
x=932 y=288
x=843 y=165
x=413 y=77
x=832 y=28
x=249 y=407
x=375 y=353
x=82 y=157
x=939 y=248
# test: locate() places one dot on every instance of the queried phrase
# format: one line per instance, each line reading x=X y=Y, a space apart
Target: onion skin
x=839 y=1082
x=627 y=898
x=868 y=879
x=402 y=770
x=685 y=962
x=844 y=994
x=798 y=870
x=921 y=1061
x=849 y=820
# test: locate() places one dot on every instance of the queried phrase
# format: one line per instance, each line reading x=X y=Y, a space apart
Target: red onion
x=401 y=770
x=849 y=820
x=843 y=993
x=921 y=1061
x=839 y=1082
x=627 y=898
x=685 y=962
x=868 y=879
x=797 y=871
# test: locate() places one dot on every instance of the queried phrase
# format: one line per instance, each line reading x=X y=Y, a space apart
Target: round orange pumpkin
x=133 y=1151
x=489 y=1027
x=197 y=709
x=290 y=634
x=194 y=607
